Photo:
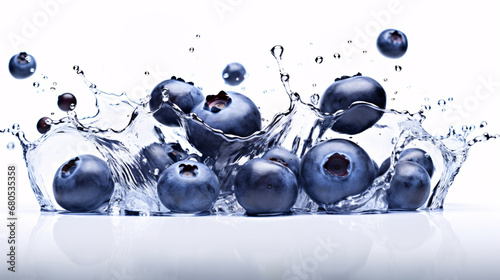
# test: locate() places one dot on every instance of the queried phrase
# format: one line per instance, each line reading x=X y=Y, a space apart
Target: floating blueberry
x=43 y=125
x=265 y=187
x=410 y=186
x=346 y=90
x=234 y=74
x=173 y=91
x=392 y=43
x=334 y=170
x=230 y=112
x=188 y=187
x=83 y=184
x=66 y=102
x=284 y=156
x=22 y=65
x=157 y=157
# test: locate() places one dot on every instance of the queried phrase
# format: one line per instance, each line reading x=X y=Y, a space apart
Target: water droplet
x=191 y=49
x=349 y=42
x=450 y=99
x=315 y=99
x=265 y=91
x=54 y=84
x=76 y=67
x=426 y=107
x=198 y=36
x=398 y=68
x=426 y=98
x=385 y=79
x=396 y=92
x=156 y=172
x=45 y=77
x=365 y=51
x=441 y=102
x=11 y=146
x=92 y=86
x=443 y=110
x=483 y=124
x=36 y=84
x=285 y=77
x=277 y=51
x=72 y=106
x=225 y=76
x=52 y=88
x=314 y=85
x=16 y=127
x=336 y=55
x=146 y=73
x=144 y=161
x=319 y=59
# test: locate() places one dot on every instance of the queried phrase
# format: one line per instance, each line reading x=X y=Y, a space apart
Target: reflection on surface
x=416 y=245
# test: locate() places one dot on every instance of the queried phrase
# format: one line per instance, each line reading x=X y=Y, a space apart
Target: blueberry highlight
x=22 y=65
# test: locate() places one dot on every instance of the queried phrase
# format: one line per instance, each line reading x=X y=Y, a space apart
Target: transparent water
x=122 y=130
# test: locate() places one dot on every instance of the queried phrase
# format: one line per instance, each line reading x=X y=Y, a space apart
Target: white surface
x=453 y=52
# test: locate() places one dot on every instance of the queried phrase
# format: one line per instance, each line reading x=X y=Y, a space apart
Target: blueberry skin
x=410 y=186
x=384 y=166
x=265 y=187
x=83 y=184
x=392 y=43
x=22 y=65
x=234 y=74
x=418 y=156
x=352 y=171
x=184 y=95
x=188 y=187
x=290 y=159
x=160 y=156
x=346 y=90
x=230 y=112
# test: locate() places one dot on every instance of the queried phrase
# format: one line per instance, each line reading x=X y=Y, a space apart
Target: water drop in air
x=398 y=68
x=336 y=56
x=11 y=146
x=191 y=49
x=36 y=84
x=315 y=99
x=319 y=59
x=441 y=102
x=483 y=124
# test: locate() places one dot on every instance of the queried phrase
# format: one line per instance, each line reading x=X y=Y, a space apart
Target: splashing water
x=122 y=132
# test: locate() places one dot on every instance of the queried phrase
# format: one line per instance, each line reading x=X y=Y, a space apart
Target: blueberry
x=188 y=187
x=335 y=169
x=392 y=43
x=83 y=184
x=410 y=186
x=285 y=157
x=346 y=90
x=418 y=156
x=43 y=125
x=384 y=166
x=265 y=187
x=22 y=65
x=157 y=157
x=66 y=102
x=185 y=95
x=234 y=74
x=230 y=112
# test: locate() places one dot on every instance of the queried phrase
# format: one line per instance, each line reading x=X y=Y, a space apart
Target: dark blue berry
x=178 y=92
x=392 y=43
x=22 y=65
x=265 y=187
x=229 y=112
x=334 y=170
x=188 y=187
x=409 y=188
x=341 y=95
x=285 y=157
x=418 y=156
x=83 y=184
x=66 y=102
x=234 y=74
x=43 y=125
x=157 y=157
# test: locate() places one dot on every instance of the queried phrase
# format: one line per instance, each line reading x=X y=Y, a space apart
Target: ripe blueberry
x=176 y=91
x=66 y=102
x=418 y=156
x=335 y=169
x=188 y=187
x=22 y=65
x=265 y=187
x=341 y=95
x=285 y=157
x=83 y=184
x=43 y=125
x=409 y=188
x=234 y=74
x=392 y=43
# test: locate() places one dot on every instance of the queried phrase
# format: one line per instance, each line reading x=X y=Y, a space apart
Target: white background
x=453 y=52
